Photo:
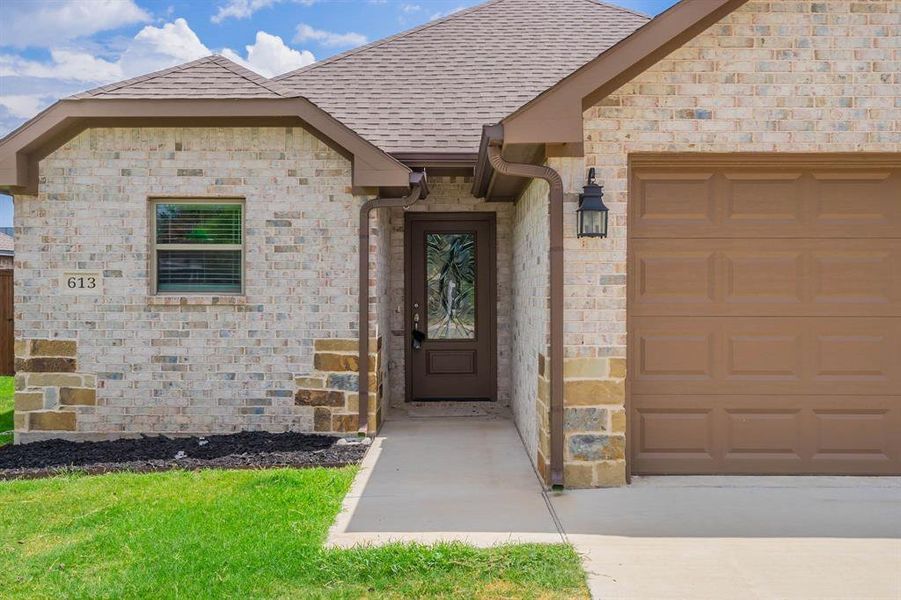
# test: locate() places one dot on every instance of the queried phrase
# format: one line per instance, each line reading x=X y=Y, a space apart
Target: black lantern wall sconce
x=593 y=213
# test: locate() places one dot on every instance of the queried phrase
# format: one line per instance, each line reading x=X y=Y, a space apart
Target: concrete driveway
x=469 y=479
x=739 y=537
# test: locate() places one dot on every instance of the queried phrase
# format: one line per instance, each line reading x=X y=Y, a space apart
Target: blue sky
x=54 y=48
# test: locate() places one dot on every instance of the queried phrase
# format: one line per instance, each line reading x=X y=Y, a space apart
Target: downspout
x=418 y=190
x=556 y=281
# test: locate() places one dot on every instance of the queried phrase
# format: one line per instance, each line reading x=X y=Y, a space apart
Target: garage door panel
x=857 y=275
x=668 y=430
x=770 y=198
x=765 y=355
x=806 y=277
x=677 y=199
x=685 y=277
x=850 y=433
x=761 y=281
x=853 y=201
x=772 y=431
x=758 y=434
x=747 y=203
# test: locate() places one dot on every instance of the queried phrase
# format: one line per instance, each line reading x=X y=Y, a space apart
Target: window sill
x=196 y=300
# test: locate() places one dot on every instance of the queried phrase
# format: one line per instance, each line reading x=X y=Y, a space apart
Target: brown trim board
x=21 y=150
x=786 y=160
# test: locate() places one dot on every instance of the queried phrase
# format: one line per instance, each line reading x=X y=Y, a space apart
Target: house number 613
x=82 y=283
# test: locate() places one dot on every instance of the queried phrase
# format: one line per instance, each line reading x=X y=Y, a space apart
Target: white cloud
x=270 y=56
x=68 y=65
x=156 y=48
x=153 y=48
x=240 y=9
x=23 y=106
x=330 y=39
x=244 y=9
x=410 y=8
x=446 y=13
x=31 y=85
x=45 y=23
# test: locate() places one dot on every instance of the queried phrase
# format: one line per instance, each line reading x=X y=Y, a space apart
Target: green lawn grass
x=238 y=534
x=7 y=387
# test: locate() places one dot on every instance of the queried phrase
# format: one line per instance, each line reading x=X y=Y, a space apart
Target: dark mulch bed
x=248 y=450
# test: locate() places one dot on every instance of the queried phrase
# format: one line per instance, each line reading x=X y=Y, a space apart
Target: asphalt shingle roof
x=209 y=77
x=432 y=88
x=429 y=89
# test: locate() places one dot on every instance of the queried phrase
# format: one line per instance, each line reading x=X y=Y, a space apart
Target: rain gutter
x=494 y=149
x=419 y=189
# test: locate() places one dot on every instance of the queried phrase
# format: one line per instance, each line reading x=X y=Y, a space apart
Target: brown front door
x=765 y=315
x=451 y=320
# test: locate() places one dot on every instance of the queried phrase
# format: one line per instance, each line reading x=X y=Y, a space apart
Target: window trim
x=154 y=247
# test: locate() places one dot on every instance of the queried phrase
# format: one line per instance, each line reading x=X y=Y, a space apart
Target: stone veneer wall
x=452 y=194
x=786 y=76
x=192 y=364
x=331 y=389
x=530 y=319
x=50 y=392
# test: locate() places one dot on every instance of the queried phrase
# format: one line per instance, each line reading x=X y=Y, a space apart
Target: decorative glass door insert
x=451 y=283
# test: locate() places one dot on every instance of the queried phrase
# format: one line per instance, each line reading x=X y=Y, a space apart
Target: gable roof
x=208 y=77
x=555 y=115
x=432 y=88
x=212 y=90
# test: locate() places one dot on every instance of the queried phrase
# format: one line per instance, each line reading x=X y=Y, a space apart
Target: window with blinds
x=198 y=247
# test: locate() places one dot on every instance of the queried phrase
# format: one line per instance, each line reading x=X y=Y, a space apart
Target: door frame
x=409 y=219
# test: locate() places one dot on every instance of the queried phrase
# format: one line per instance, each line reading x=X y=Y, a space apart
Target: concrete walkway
x=448 y=479
x=469 y=479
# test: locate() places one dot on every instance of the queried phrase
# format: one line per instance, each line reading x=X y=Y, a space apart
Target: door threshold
x=455 y=409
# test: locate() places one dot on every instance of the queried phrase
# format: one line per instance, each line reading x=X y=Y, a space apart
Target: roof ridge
x=249 y=74
x=391 y=38
x=153 y=74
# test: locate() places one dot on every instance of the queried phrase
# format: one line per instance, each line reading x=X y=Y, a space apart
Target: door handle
x=417 y=335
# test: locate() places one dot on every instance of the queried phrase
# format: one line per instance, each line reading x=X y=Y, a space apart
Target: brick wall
x=381 y=325
x=530 y=317
x=787 y=76
x=195 y=364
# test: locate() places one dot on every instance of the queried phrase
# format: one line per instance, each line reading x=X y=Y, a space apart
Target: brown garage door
x=765 y=314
